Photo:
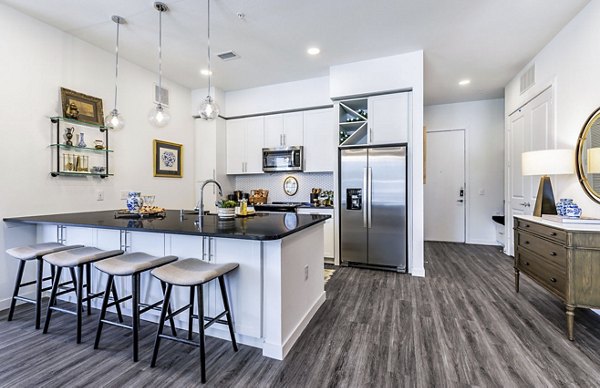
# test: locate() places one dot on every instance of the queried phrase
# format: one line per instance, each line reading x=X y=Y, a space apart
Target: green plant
x=226 y=204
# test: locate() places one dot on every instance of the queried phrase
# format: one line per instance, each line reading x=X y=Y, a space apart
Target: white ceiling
x=487 y=41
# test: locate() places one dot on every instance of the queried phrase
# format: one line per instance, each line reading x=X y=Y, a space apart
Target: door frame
x=466 y=164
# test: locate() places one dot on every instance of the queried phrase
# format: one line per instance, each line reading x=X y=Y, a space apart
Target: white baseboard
x=5 y=303
x=418 y=272
x=484 y=242
x=277 y=351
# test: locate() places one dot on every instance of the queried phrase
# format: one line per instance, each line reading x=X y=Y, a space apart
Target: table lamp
x=545 y=163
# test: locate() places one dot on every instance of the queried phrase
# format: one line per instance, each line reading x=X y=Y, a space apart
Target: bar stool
x=77 y=258
x=193 y=273
x=131 y=264
x=28 y=253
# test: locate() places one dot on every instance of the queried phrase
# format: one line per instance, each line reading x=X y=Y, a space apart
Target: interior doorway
x=445 y=189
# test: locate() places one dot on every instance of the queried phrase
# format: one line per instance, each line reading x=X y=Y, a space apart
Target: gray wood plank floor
x=462 y=325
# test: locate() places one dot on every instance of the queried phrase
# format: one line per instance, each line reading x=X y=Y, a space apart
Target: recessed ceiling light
x=205 y=72
x=313 y=51
x=464 y=82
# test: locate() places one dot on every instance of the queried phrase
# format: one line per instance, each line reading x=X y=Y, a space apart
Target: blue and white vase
x=134 y=201
x=567 y=208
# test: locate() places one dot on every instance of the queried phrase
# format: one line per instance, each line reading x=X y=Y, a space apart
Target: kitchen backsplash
x=274 y=183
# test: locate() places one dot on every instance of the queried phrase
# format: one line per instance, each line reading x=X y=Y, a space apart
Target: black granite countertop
x=269 y=226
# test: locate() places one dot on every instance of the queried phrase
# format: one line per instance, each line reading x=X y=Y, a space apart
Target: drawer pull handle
x=527 y=225
x=552 y=253
x=526 y=263
x=526 y=242
x=553 y=234
x=553 y=280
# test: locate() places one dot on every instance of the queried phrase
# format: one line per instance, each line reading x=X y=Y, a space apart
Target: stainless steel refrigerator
x=373 y=207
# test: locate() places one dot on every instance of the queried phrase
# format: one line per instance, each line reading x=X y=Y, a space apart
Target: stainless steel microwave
x=283 y=159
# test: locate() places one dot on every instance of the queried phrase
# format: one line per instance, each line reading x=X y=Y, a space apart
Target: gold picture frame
x=167 y=159
x=87 y=108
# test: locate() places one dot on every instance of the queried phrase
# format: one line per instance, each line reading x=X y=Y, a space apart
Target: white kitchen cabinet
x=389 y=118
x=320 y=147
x=284 y=130
x=328 y=229
x=245 y=140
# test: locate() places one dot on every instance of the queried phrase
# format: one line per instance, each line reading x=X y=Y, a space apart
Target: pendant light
x=115 y=120
x=159 y=115
x=209 y=109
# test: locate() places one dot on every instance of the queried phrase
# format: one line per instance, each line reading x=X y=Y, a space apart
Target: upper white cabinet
x=389 y=118
x=245 y=141
x=320 y=147
x=383 y=119
x=284 y=130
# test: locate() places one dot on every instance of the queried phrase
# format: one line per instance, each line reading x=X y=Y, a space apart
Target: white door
x=531 y=128
x=445 y=193
x=236 y=133
x=389 y=118
x=293 y=129
x=320 y=140
x=273 y=131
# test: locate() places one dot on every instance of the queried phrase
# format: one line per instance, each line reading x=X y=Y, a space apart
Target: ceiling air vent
x=161 y=95
x=228 y=56
x=528 y=79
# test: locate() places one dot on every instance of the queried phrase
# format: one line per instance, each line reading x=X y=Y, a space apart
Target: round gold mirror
x=588 y=156
x=290 y=185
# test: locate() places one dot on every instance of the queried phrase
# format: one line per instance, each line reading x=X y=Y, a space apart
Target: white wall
x=37 y=60
x=483 y=122
x=569 y=63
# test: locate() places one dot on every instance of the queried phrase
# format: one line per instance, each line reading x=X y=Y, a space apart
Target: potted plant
x=226 y=209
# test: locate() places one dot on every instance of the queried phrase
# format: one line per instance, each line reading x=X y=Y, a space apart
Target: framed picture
x=81 y=107
x=168 y=159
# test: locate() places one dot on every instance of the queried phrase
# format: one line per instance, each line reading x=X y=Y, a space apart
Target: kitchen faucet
x=200 y=205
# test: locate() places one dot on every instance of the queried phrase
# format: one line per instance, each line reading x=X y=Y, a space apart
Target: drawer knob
x=553 y=280
x=526 y=263
x=526 y=242
x=527 y=225
x=553 y=234
x=552 y=253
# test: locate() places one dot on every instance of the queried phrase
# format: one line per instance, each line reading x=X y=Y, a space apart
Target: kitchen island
x=274 y=293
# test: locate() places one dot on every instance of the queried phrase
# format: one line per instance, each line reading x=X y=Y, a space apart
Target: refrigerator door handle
x=369 y=196
x=365 y=197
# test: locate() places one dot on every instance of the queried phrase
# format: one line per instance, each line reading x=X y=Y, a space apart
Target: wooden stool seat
x=193 y=273
x=27 y=253
x=130 y=264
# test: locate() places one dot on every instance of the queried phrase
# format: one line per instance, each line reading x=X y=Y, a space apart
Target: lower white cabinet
x=328 y=229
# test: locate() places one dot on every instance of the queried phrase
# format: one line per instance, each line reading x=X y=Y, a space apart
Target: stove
x=277 y=207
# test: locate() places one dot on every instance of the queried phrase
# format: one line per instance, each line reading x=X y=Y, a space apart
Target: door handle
x=370 y=190
x=460 y=200
x=365 y=197
x=525 y=204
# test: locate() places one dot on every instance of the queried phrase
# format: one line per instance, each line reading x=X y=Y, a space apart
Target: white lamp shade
x=593 y=160
x=548 y=162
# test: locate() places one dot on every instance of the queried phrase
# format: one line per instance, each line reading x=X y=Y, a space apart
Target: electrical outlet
x=306 y=273
x=124 y=195
x=100 y=195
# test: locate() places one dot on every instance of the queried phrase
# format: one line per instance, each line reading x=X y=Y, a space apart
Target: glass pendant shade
x=114 y=120
x=159 y=116
x=209 y=109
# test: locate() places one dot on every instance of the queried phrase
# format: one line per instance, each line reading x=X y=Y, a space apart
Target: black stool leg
x=135 y=302
x=161 y=323
x=191 y=313
x=227 y=312
x=201 y=326
x=88 y=287
x=117 y=304
x=79 y=301
x=13 y=301
x=109 y=284
x=171 y=320
x=52 y=298
x=38 y=292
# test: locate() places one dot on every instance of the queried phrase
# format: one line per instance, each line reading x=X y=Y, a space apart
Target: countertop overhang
x=262 y=226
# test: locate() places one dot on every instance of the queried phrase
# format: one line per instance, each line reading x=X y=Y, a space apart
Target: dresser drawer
x=543 y=272
x=557 y=235
x=552 y=252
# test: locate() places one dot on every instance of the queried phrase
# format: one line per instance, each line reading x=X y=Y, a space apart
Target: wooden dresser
x=562 y=258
